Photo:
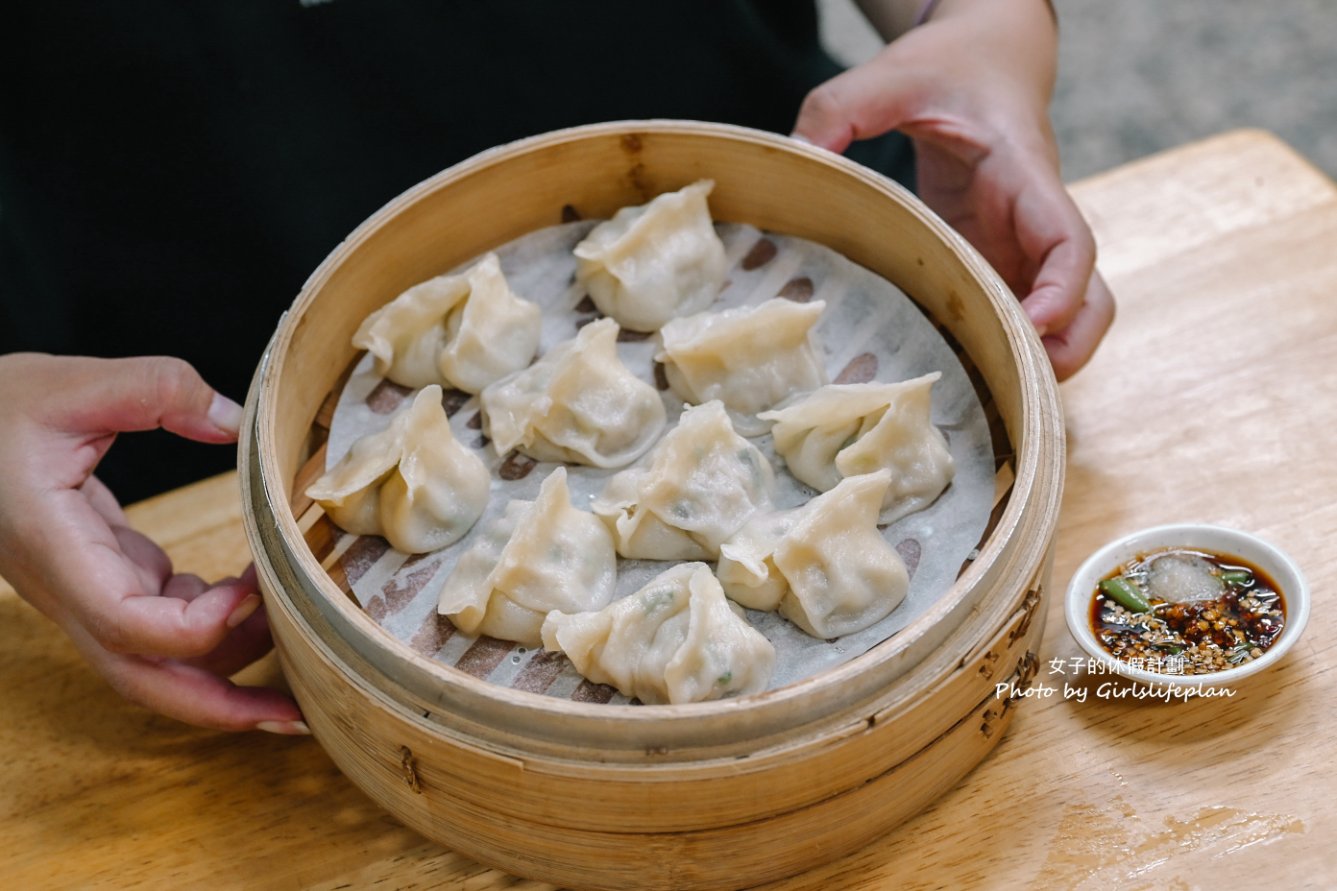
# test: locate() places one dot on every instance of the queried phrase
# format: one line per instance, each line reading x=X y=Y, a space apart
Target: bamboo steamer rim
x=1036 y=492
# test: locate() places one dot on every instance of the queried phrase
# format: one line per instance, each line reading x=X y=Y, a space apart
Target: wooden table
x=1214 y=398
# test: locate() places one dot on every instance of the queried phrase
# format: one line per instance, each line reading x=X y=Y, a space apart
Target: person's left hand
x=971 y=88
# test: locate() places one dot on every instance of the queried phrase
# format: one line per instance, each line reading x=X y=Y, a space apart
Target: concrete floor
x=1137 y=76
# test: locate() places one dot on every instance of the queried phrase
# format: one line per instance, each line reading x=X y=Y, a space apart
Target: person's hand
x=163 y=639
x=971 y=87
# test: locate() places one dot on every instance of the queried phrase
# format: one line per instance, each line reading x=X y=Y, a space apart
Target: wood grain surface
x=1212 y=399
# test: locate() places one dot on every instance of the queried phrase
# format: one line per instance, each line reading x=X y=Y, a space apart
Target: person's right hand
x=163 y=639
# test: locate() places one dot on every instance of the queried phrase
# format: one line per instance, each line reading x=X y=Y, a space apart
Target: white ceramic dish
x=1274 y=562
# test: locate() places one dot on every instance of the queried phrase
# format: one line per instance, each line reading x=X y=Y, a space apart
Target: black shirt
x=171 y=172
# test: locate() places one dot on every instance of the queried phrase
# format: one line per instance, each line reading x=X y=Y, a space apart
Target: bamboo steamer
x=711 y=795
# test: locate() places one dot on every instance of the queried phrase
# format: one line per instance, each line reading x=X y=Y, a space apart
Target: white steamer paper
x=869 y=330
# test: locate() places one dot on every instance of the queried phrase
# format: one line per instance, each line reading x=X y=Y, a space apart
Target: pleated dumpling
x=578 y=404
x=412 y=482
x=824 y=566
x=654 y=261
x=844 y=430
x=687 y=497
x=541 y=555
x=749 y=358
x=464 y=330
x=676 y=640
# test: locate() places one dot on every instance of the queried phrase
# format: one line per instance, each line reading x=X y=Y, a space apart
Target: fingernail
x=1041 y=330
x=225 y=414
x=242 y=611
x=799 y=137
x=285 y=728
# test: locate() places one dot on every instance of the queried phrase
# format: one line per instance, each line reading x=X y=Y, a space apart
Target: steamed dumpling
x=578 y=404
x=539 y=556
x=824 y=566
x=655 y=261
x=464 y=330
x=687 y=497
x=749 y=358
x=844 y=430
x=412 y=482
x=675 y=640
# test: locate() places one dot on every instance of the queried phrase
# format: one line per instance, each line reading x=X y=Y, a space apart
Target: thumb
x=861 y=103
x=143 y=393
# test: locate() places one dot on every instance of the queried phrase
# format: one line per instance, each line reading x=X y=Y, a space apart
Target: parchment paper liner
x=869 y=331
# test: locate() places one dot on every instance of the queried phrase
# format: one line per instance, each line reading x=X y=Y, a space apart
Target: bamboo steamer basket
x=710 y=795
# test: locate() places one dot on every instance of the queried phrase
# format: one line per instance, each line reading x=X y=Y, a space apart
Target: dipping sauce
x=1187 y=611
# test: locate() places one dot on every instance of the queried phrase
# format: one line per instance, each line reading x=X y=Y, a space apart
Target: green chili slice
x=1237 y=576
x=1125 y=593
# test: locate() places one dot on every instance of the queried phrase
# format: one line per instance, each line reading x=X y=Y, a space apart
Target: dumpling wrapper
x=464 y=330
x=824 y=566
x=579 y=404
x=655 y=261
x=697 y=488
x=844 y=430
x=751 y=358
x=413 y=482
x=676 y=640
x=540 y=556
